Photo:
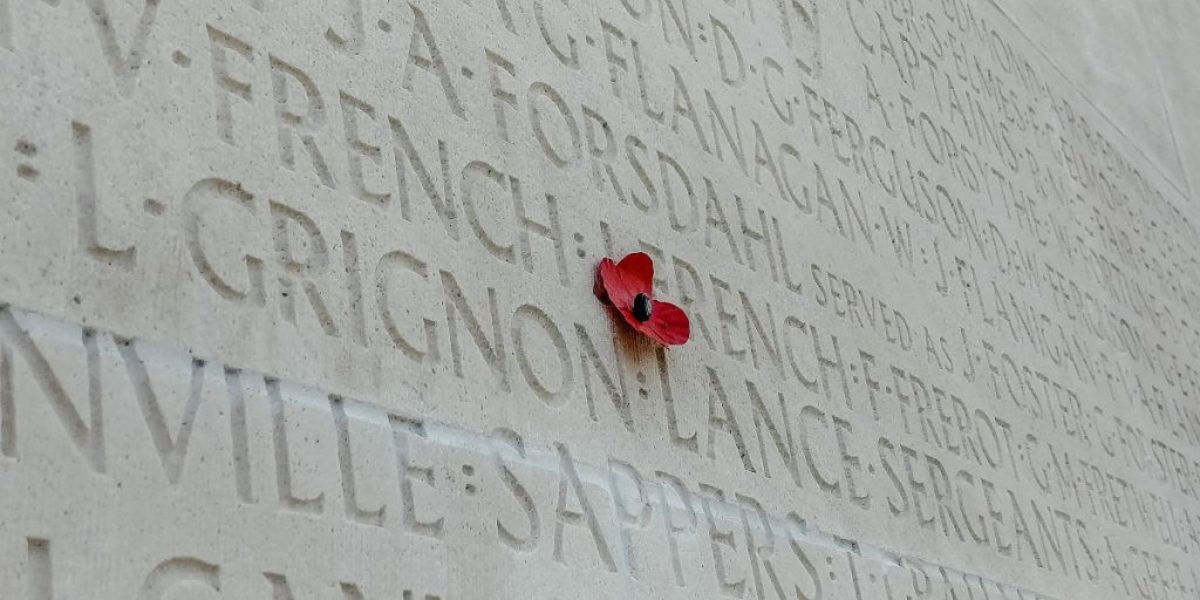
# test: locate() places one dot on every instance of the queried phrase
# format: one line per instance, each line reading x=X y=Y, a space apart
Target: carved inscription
x=609 y=515
x=307 y=285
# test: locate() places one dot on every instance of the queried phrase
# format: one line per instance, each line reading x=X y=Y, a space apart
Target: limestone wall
x=296 y=299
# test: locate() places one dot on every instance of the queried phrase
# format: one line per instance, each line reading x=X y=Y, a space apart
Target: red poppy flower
x=628 y=286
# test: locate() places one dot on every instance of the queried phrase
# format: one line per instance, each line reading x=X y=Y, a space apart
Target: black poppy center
x=642 y=308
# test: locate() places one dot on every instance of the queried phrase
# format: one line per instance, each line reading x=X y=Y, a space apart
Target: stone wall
x=296 y=299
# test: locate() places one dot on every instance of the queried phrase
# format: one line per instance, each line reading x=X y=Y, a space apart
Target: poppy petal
x=616 y=289
x=631 y=320
x=625 y=280
x=668 y=325
x=598 y=287
x=638 y=270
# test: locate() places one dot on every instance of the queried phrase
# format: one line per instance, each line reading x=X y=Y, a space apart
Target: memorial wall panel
x=296 y=301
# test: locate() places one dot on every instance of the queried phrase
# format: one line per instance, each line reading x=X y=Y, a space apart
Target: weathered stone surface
x=296 y=299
